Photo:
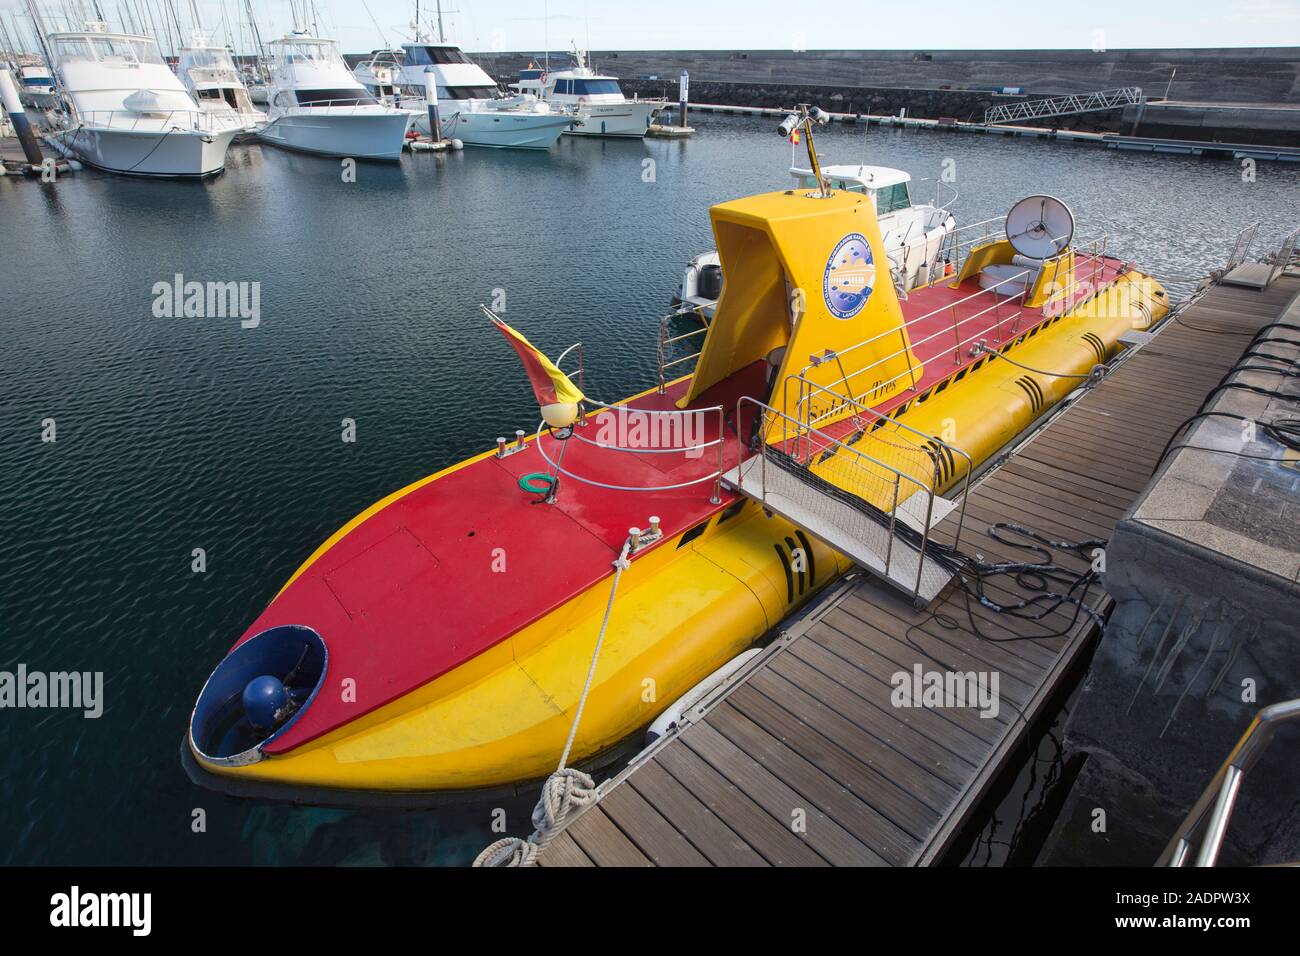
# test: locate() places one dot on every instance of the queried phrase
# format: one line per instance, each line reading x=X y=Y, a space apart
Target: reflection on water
x=176 y=434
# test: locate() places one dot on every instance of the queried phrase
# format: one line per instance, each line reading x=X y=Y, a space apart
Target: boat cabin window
x=892 y=198
x=36 y=81
x=430 y=55
x=465 y=92
x=595 y=87
x=345 y=97
x=563 y=86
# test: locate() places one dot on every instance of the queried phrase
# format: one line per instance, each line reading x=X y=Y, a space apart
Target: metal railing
x=199 y=121
x=685 y=449
x=1208 y=819
x=666 y=341
x=964 y=239
x=1094 y=261
x=907 y=350
x=884 y=432
x=1241 y=246
x=823 y=467
x=1281 y=260
x=585 y=420
x=352 y=105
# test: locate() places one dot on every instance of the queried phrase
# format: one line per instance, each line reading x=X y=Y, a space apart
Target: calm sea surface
x=176 y=434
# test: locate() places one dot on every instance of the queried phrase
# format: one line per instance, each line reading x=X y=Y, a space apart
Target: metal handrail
x=1097 y=258
x=200 y=121
x=907 y=350
x=804 y=400
x=665 y=341
x=857 y=459
x=715 y=477
x=354 y=103
x=1211 y=813
x=1241 y=246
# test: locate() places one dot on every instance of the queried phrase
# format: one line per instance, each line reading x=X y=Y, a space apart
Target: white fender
x=670 y=717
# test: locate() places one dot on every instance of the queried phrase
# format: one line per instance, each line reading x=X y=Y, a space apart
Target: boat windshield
x=847 y=185
x=36 y=81
x=209 y=60
x=315 y=52
x=106 y=49
x=431 y=55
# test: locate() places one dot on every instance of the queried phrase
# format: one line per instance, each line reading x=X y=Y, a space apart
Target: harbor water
x=196 y=462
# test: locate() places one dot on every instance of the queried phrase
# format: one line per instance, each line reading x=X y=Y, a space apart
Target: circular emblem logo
x=849 y=276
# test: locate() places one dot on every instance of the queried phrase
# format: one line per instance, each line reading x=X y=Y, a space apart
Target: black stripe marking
x=789 y=576
x=807 y=549
x=790 y=543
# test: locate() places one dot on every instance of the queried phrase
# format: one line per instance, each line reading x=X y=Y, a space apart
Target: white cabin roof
x=873 y=177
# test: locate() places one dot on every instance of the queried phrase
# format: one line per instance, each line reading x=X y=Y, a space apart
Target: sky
x=534 y=25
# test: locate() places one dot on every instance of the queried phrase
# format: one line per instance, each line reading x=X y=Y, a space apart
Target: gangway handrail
x=886 y=420
x=1211 y=813
x=853 y=455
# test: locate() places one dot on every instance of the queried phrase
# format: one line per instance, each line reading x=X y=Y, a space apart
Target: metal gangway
x=1063 y=105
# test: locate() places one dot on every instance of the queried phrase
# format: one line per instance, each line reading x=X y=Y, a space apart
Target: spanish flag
x=557 y=396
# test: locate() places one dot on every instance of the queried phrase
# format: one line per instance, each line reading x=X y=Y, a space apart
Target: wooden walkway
x=809 y=735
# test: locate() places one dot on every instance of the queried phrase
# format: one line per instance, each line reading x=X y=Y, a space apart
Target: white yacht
x=36 y=88
x=126 y=112
x=913 y=235
x=381 y=74
x=317 y=106
x=470 y=107
x=209 y=73
x=597 y=98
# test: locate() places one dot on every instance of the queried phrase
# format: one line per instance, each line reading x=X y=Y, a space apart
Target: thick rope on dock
x=568 y=790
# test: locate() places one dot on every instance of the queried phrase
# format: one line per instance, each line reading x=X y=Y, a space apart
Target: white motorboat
x=596 y=97
x=209 y=73
x=381 y=75
x=913 y=234
x=317 y=106
x=126 y=112
x=470 y=107
x=36 y=88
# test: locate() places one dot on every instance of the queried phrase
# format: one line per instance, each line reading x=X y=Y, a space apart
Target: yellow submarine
x=438 y=644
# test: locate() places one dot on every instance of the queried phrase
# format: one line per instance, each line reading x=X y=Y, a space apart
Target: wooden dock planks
x=807 y=762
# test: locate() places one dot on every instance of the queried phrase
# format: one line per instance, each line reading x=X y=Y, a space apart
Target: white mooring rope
x=567 y=790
